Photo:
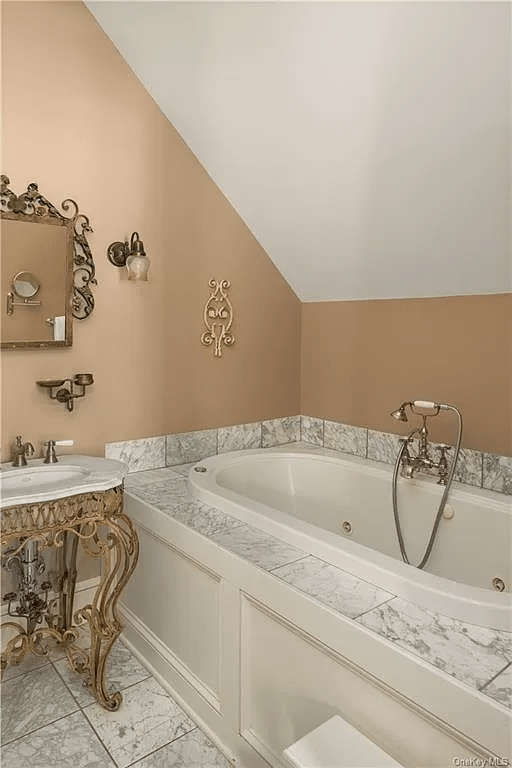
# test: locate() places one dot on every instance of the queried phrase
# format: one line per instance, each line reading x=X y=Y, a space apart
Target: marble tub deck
x=478 y=657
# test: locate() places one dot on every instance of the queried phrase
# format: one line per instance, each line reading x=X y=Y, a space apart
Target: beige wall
x=78 y=122
x=361 y=359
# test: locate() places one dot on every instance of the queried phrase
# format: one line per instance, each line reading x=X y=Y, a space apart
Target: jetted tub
x=339 y=508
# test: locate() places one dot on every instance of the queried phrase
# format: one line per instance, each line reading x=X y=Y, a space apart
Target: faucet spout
x=20 y=451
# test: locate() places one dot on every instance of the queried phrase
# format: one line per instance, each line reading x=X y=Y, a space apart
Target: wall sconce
x=63 y=390
x=130 y=255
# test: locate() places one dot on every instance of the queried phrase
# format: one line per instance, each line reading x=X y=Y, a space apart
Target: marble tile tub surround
x=189 y=447
x=483 y=470
x=478 y=657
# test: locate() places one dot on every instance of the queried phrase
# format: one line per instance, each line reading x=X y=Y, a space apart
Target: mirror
x=25 y=285
x=47 y=269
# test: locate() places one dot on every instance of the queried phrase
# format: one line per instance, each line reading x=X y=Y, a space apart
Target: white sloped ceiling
x=365 y=144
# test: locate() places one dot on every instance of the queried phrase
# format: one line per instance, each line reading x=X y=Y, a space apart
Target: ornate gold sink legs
x=106 y=533
x=119 y=551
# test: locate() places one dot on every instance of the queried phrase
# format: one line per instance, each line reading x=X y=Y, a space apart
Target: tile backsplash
x=483 y=470
x=184 y=447
x=141 y=454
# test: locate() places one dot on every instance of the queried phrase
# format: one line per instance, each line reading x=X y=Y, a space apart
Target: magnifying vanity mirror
x=47 y=269
x=25 y=285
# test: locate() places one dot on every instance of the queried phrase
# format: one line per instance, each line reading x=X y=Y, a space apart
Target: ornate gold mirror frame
x=32 y=206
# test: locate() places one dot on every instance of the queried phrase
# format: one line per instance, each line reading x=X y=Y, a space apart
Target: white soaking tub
x=338 y=508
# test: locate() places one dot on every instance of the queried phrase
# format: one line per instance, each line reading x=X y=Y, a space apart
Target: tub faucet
x=20 y=451
x=408 y=465
x=423 y=460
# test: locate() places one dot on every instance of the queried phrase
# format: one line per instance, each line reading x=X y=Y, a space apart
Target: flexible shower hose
x=442 y=503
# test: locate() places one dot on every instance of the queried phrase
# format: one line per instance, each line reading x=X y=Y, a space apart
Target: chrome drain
x=347 y=527
x=498 y=584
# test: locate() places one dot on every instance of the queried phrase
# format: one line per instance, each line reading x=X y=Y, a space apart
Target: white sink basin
x=44 y=482
x=28 y=478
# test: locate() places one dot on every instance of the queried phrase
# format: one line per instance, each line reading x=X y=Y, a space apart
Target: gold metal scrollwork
x=218 y=318
x=33 y=206
x=97 y=521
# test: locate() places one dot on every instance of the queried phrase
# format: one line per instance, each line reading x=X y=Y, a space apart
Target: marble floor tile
x=470 y=654
x=147 y=720
x=500 y=689
x=258 y=547
x=331 y=586
x=33 y=701
x=67 y=743
x=123 y=670
x=29 y=663
x=193 y=750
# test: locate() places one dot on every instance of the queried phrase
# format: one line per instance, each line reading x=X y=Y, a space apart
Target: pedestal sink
x=28 y=478
x=77 y=502
x=43 y=482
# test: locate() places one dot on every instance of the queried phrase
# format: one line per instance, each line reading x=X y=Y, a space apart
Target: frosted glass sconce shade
x=130 y=255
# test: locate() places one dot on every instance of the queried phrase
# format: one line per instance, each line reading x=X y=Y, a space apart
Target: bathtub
x=338 y=508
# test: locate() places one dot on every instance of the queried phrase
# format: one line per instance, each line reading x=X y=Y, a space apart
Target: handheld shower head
x=400 y=414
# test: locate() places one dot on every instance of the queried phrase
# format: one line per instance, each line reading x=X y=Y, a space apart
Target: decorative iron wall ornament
x=218 y=317
x=33 y=206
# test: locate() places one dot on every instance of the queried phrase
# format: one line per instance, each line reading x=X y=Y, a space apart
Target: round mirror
x=25 y=285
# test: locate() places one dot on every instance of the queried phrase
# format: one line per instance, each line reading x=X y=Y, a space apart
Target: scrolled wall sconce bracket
x=218 y=317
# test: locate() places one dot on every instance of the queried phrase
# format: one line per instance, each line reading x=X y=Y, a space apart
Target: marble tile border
x=280 y=431
x=475 y=468
x=175 y=450
x=240 y=437
x=144 y=453
x=187 y=447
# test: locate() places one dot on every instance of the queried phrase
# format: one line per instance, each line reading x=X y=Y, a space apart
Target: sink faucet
x=50 y=456
x=20 y=451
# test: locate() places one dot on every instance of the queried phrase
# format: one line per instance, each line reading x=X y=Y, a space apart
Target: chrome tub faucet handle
x=442 y=464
